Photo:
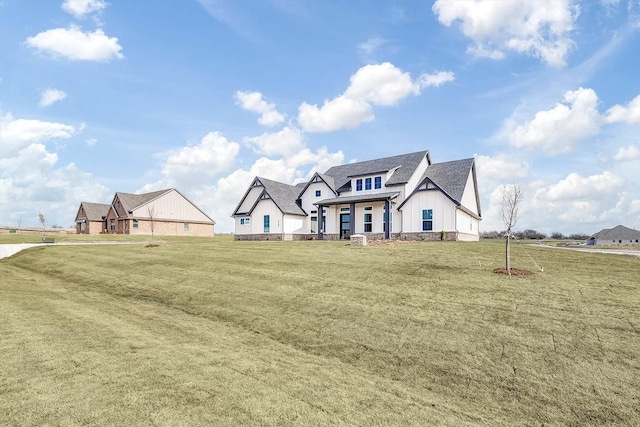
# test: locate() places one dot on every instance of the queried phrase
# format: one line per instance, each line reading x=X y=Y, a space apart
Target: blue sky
x=203 y=95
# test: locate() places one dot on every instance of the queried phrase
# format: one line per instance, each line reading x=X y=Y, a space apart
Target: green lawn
x=207 y=331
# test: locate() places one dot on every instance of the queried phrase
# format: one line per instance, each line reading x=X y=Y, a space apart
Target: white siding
x=266 y=207
x=243 y=228
x=414 y=180
x=444 y=212
x=468 y=226
x=171 y=206
x=251 y=198
x=308 y=198
x=469 y=196
x=294 y=224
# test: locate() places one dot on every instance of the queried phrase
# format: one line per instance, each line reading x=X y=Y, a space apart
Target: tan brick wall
x=171 y=228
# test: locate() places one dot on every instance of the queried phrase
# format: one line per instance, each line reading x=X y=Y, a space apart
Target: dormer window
x=358 y=184
x=367 y=184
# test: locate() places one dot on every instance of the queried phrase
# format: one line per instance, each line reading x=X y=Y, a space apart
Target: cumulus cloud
x=254 y=101
x=51 y=96
x=629 y=114
x=195 y=164
x=72 y=43
x=284 y=143
x=539 y=28
x=17 y=134
x=380 y=84
x=81 y=8
x=631 y=152
x=561 y=129
x=501 y=167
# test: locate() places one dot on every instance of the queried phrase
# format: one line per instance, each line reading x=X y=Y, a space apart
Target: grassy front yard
x=210 y=331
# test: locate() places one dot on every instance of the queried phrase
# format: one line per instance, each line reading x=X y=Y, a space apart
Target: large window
x=427 y=220
x=377 y=182
x=367 y=184
x=358 y=184
x=267 y=224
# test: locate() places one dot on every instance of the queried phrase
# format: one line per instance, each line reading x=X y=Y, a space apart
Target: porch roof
x=375 y=197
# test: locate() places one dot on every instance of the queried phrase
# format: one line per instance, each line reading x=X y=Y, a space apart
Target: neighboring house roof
x=283 y=195
x=95 y=211
x=406 y=164
x=619 y=232
x=132 y=201
x=451 y=178
x=359 y=198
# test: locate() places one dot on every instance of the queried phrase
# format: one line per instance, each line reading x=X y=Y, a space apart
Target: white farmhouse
x=425 y=201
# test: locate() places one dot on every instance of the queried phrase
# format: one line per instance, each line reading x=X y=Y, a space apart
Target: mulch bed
x=514 y=272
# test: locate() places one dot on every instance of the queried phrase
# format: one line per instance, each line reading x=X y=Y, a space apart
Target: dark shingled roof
x=95 y=211
x=372 y=197
x=407 y=164
x=283 y=195
x=451 y=177
x=131 y=201
x=619 y=232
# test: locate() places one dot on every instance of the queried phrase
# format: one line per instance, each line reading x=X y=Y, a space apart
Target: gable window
x=135 y=223
x=245 y=221
x=358 y=184
x=186 y=226
x=368 y=219
x=427 y=220
x=367 y=184
x=377 y=183
x=267 y=225
x=318 y=193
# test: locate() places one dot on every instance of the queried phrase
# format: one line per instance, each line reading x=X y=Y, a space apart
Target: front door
x=345 y=227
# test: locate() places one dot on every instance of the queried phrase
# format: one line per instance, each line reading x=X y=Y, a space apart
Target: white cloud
x=91 y=142
x=576 y=186
x=80 y=8
x=253 y=101
x=284 y=143
x=629 y=114
x=369 y=48
x=500 y=168
x=562 y=128
x=51 y=96
x=540 y=28
x=72 y=43
x=16 y=134
x=379 y=84
x=631 y=152
x=195 y=164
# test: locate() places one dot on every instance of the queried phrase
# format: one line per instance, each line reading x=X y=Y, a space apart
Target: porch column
x=320 y=222
x=387 y=219
x=352 y=219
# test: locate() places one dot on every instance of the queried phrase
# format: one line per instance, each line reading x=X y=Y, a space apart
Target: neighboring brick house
x=90 y=218
x=619 y=235
x=167 y=211
x=398 y=197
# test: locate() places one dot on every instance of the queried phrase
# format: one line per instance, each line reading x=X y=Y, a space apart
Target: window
x=367 y=222
x=186 y=226
x=318 y=193
x=367 y=184
x=135 y=223
x=83 y=226
x=267 y=224
x=377 y=182
x=245 y=221
x=368 y=208
x=427 y=220
x=314 y=224
x=113 y=224
x=358 y=184
x=344 y=209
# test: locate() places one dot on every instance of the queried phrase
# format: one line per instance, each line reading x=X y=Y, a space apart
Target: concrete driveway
x=7 y=250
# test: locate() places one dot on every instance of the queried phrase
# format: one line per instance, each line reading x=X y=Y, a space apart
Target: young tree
x=512 y=197
x=151 y=211
x=42 y=221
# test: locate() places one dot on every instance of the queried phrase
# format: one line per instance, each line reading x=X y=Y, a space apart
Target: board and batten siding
x=276 y=218
x=469 y=196
x=308 y=198
x=251 y=198
x=171 y=206
x=444 y=212
x=468 y=226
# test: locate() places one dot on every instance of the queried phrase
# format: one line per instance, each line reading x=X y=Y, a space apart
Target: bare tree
x=151 y=210
x=512 y=197
x=42 y=221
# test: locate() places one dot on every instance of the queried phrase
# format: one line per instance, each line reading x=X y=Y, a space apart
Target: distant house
x=615 y=236
x=398 y=197
x=167 y=211
x=90 y=218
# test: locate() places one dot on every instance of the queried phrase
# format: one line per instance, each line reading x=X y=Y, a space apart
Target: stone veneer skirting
x=425 y=236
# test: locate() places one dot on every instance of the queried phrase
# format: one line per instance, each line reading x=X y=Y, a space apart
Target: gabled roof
x=450 y=178
x=95 y=211
x=327 y=180
x=372 y=197
x=283 y=195
x=619 y=232
x=406 y=164
x=132 y=201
